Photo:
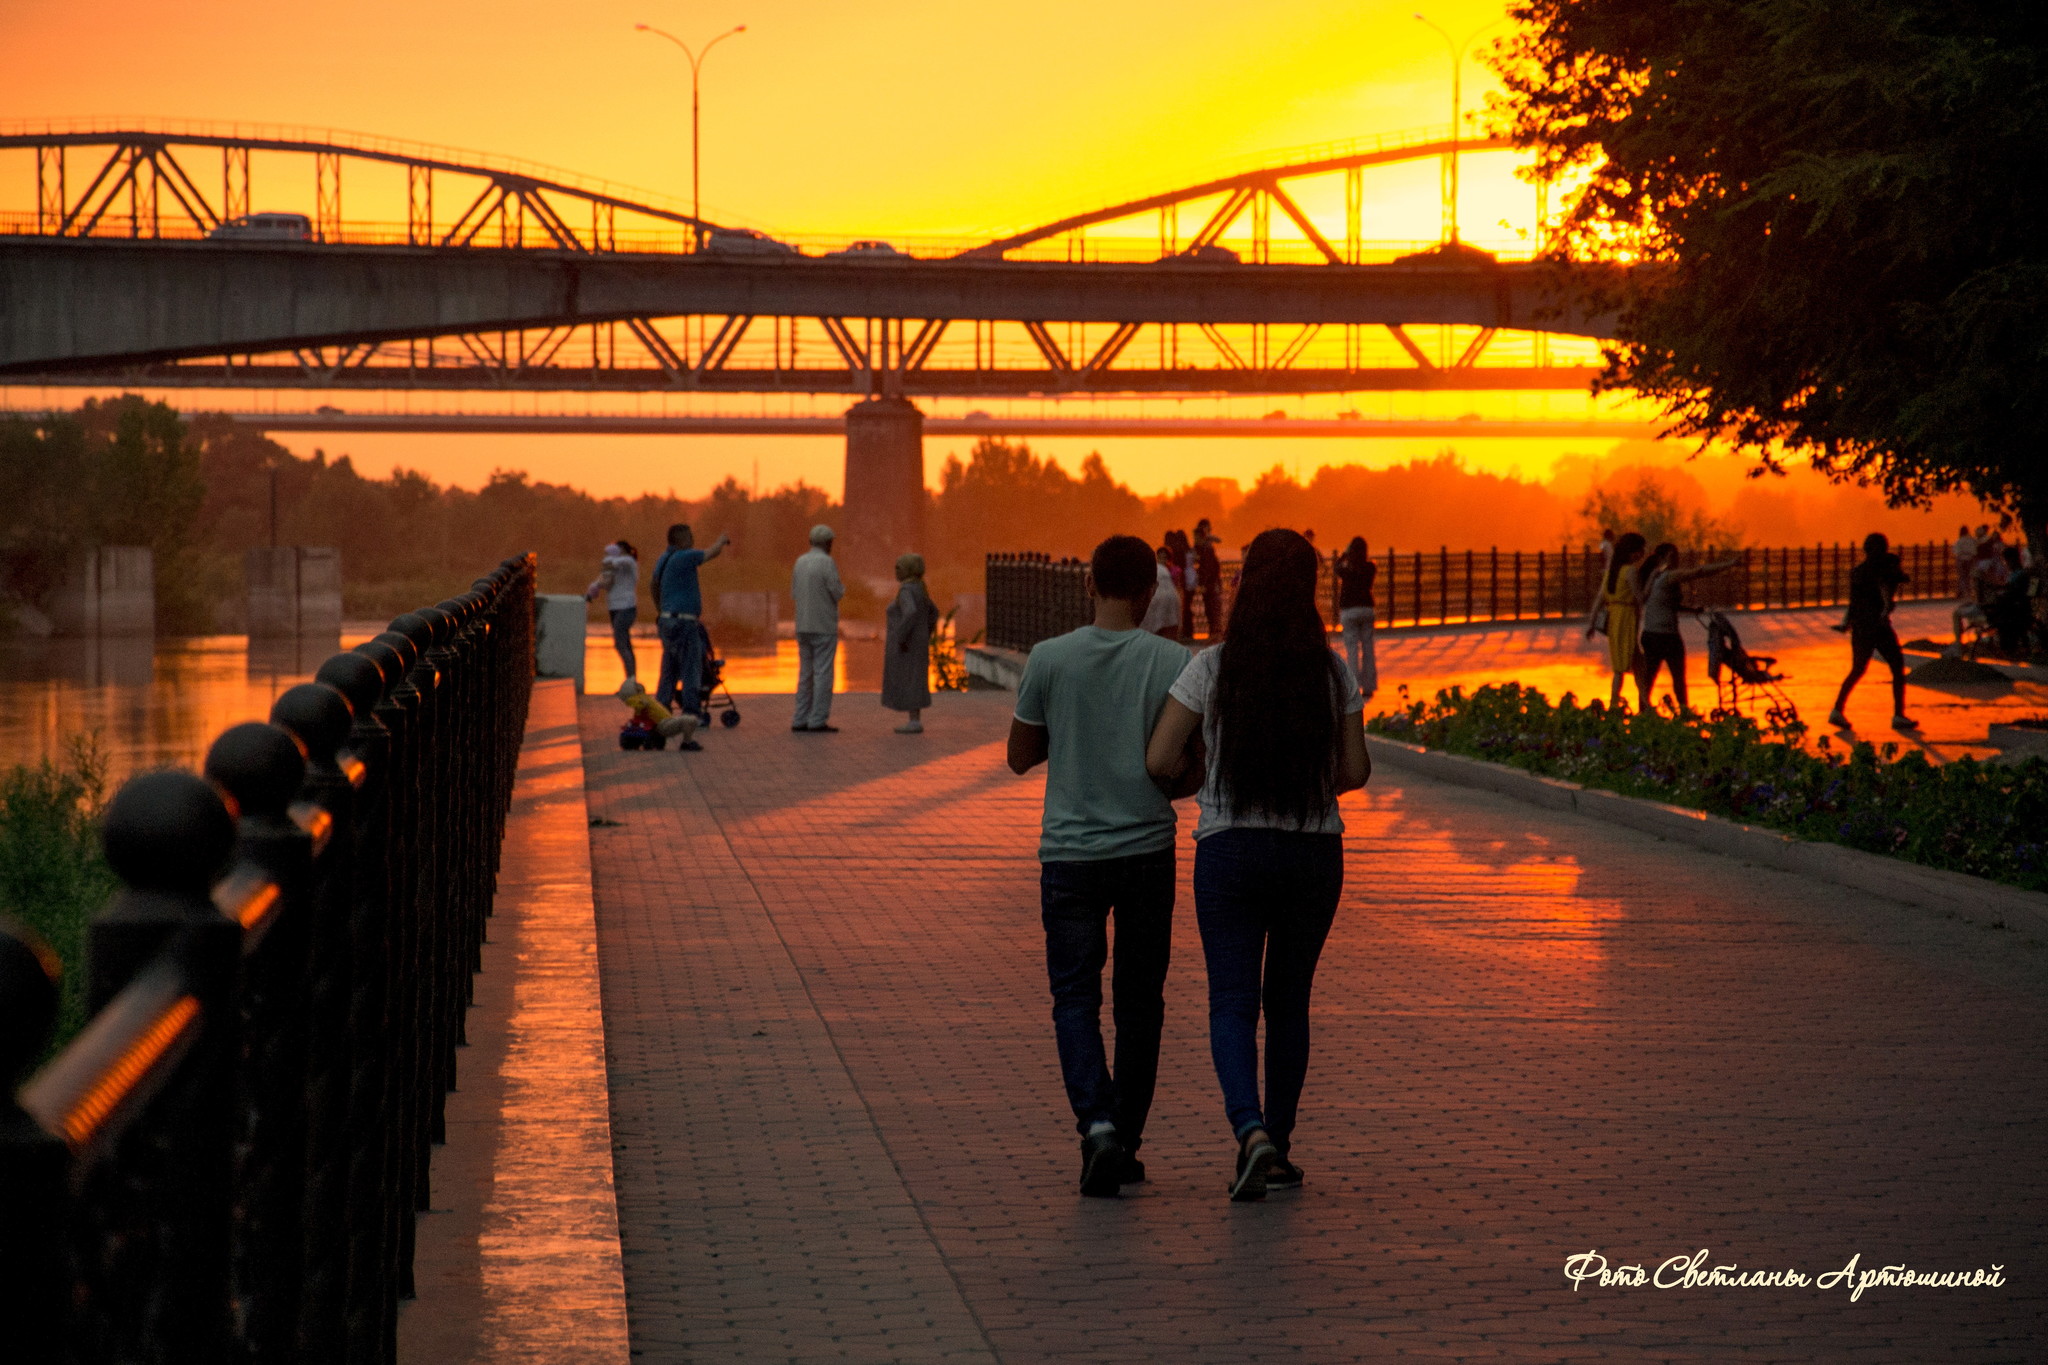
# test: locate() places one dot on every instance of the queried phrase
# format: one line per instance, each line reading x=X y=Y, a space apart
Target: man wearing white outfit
x=815 y=589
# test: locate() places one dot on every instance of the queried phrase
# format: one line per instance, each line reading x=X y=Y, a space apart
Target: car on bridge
x=868 y=251
x=265 y=227
x=745 y=242
x=1209 y=254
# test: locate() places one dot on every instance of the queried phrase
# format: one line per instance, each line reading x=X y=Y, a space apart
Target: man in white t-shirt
x=1086 y=707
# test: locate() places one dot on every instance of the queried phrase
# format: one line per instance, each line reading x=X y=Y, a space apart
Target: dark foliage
x=115 y=473
x=1839 y=194
x=52 y=876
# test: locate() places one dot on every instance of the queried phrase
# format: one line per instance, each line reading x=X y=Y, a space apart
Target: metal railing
x=225 y=1164
x=1033 y=597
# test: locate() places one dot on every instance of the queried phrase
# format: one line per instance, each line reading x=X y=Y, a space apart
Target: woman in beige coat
x=906 y=649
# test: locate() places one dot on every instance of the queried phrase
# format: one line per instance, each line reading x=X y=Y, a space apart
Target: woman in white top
x=1278 y=717
x=1163 y=616
x=618 y=578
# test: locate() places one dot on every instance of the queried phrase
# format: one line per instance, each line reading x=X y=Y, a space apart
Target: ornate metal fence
x=1033 y=597
x=225 y=1164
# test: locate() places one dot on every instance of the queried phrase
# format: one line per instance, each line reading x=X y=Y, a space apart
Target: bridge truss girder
x=164 y=198
x=740 y=353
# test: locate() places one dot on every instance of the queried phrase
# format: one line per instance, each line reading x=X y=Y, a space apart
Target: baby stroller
x=711 y=684
x=1750 y=677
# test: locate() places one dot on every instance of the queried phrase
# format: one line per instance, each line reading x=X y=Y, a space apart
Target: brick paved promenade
x=840 y=1136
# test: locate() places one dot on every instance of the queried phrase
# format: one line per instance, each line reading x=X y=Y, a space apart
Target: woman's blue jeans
x=1264 y=900
x=622 y=638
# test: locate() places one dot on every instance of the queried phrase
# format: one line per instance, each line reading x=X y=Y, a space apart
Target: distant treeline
x=200 y=490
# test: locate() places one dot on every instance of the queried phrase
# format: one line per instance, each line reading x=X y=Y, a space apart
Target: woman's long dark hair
x=627 y=546
x=1630 y=544
x=1355 y=557
x=1277 y=687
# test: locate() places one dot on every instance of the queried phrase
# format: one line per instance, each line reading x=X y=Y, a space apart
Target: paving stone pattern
x=840 y=1135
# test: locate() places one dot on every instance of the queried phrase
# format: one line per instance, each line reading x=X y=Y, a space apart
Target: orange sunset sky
x=903 y=118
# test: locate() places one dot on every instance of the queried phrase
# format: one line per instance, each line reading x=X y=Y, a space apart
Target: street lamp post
x=696 y=64
x=1458 y=51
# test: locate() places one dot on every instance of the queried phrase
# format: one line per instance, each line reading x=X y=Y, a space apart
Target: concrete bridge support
x=294 y=590
x=110 y=591
x=884 y=489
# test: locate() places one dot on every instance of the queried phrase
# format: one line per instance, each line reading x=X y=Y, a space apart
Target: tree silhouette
x=1842 y=195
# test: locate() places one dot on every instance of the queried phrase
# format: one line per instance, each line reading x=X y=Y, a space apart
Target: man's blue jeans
x=682 y=664
x=1264 y=900
x=1077 y=900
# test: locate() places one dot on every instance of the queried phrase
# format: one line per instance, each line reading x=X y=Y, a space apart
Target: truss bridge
x=159 y=257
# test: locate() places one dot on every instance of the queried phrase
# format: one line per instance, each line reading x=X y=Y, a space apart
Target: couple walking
x=1266 y=727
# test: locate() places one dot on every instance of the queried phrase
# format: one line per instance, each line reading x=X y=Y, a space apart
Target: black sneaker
x=1132 y=1172
x=1102 y=1163
x=1252 y=1165
x=1285 y=1175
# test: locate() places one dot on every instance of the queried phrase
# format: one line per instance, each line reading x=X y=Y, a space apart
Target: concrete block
x=110 y=591
x=559 y=619
x=293 y=590
x=319 y=590
x=997 y=667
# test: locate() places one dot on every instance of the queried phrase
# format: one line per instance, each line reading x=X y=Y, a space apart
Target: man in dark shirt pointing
x=1873 y=586
x=678 y=603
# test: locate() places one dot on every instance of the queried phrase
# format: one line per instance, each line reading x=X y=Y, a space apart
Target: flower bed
x=1984 y=819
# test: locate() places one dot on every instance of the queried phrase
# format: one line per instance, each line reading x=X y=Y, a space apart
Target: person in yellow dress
x=1624 y=610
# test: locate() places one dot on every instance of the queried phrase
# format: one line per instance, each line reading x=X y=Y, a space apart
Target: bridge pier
x=884 y=496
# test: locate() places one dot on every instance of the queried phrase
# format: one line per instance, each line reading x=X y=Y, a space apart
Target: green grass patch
x=1989 y=820
x=53 y=878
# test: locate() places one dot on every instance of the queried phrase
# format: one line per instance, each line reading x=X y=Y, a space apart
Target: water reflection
x=296 y=659
x=151 y=703
x=748 y=669
x=126 y=662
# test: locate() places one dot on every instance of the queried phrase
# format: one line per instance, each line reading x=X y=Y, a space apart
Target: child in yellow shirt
x=652 y=725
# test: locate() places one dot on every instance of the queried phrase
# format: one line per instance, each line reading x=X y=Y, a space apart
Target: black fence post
x=396 y=831
x=261 y=767
x=373 y=1098
x=35 y=1163
x=151 y=1237
x=319 y=717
